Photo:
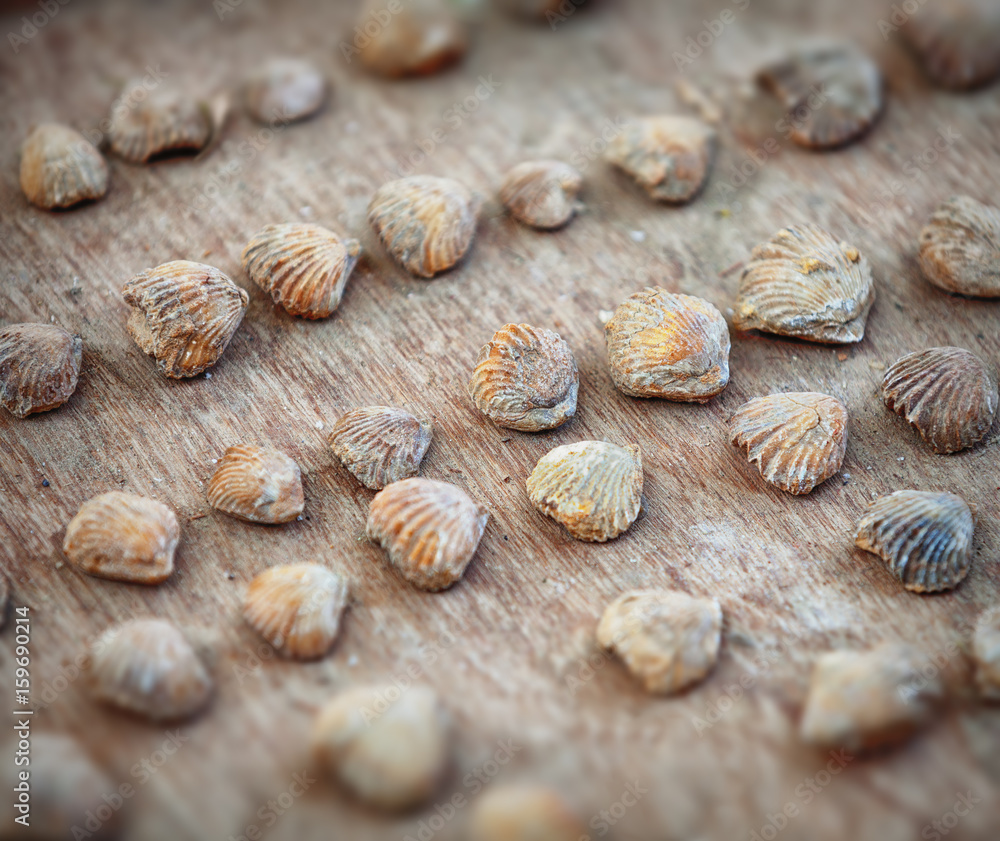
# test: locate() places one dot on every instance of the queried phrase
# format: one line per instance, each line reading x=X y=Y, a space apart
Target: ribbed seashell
x=671 y=346
x=525 y=378
x=60 y=168
x=381 y=444
x=797 y=440
x=669 y=157
x=418 y=38
x=39 y=367
x=297 y=608
x=159 y=121
x=284 y=90
x=541 y=194
x=146 y=666
x=986 y=654
x=184 y=315
x=390 y=749
x=667 y=640
x=947 y=393
x=303 y=267
x=803 y=283
x=257 y=484
x=958 y=42
x=591 y=488
x=523 y=813
x=426 y=223
x=123 y=537
x=925 y=538
x=429 y=529
x=960 y=248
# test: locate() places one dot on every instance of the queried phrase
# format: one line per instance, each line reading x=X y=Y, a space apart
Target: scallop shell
x=146 y=123
x=258 y=485
x=592 y=488
x=960 y=248
x=523 y=813
x=284 y=90
x=147 y=667
x=123 y=537
x=986 y=654
x=671 y=346
x=60 y=168
x=525 y=378
x=925 y=538
x=541 y=194
x=797 y=440
x=957 y=42
x=429 y=529
x=303 y=267
x=669 y=641
x=803 y=283
x=425 y=223
x=669 y=157
x=419 y=38
x=381 y=444
x=39 y=367
x=184 y=315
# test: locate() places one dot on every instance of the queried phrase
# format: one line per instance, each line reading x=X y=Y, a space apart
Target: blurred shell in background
x=283 y=90
x=61 y=168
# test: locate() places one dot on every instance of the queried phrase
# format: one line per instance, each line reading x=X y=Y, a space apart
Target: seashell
x=541 y=194
x=147 y=667
x=303 y=267
x=946 y=393
x=986 y=654
x=833 y=94
x=925 y=538
x=258 y=485
x=592 y=488
x=960 y=248
x=803 y=283
x=417 y=38
x=525 y=378
x=860 y=700
x=958 y=43
x=669 y=157
x=523 y=813
x=430 y=530
x=797 y=440
x=381 y=444
x=425 y=223
x=671 y=346
x=668 y=641
x=388 y=749
x=60 y=168
x=184 y=315
x=284 y=90
x=39 y=367
x=297 y=608
x=146 y=123
x=123 y=537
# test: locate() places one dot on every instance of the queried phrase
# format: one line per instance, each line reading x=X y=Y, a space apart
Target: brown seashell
x=667 y=640
x=284 y=90
x=61 y=168
x=924 y=537
x=523 y=813
x=123 y=537
x=957 y=42
x=147 y=667
x=803 y=283
x=541 y=194
x=425 y=223
x=525 y=378
x=416 y=38
x=592 y=488
x=297 y=608
x=671 y=346
x=381 y=444
x=159 y=121
x=960 y=248
x=39 y=367
x=184 y=315
x=429 y=529
x=258 y=485
x=303 y=267
x=986 y=654
x=669 y=157
x=797 y=440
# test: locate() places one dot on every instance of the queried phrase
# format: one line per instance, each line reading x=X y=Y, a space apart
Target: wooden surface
x=521 y=622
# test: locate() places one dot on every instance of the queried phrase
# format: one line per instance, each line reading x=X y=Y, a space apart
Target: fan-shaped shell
x=525 y=378
x=925 y=538
x=146 y=123
x=429 y=529
x=541 y=194
x=957 y=42
x=283 y=90
x=381 y=444
x=303 y=267
x=671 y=346
x=797 y=440
x=123 y=537
x=523 y=813
x=986 y=654
x=257 y=484
x=804 y=283
x=592 y=488
x=960 y=248
x=184 y=315
x=418 y=38
x=61 y=168
x=39 y=367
